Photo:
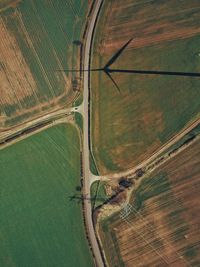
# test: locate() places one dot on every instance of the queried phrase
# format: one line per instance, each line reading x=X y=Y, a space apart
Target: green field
x=43 y=32
x=39 y=224
x=98 y=194
x=162 y=228
x=129 y=126
x=79 y=120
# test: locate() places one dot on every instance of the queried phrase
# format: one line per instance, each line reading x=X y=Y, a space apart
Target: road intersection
x=83 y=109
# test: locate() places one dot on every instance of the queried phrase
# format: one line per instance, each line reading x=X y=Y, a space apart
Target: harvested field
x=37 y=42
x=130 y=126
x=149 y=22
x=17 y=81
x=162 y=228
x=39 y=224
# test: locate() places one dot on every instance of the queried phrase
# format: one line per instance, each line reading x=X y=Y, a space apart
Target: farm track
x=32 y=126
x=55 y=116
x=151 y=221
x=31 y=54
x=173 y=141
x=15 y=132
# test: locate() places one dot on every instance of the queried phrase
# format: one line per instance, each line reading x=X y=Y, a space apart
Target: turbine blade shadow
x=111 y=78
x=155 y=72
x=116 y=55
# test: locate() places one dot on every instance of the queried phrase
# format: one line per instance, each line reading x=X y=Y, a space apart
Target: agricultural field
x=130 y=125
x=40 y=225
x=39 y=40
x=98 y=194
x=161 y=227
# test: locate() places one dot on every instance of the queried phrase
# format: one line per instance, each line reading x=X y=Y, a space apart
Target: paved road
x=88 y=176
x=86 y=165
x=83 y=109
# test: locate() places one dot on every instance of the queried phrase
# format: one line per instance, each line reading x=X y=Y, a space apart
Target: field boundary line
x=156 y=154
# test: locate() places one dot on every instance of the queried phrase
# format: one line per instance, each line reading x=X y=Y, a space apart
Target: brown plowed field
x=37 y=43
x=131 y=125
x=163 y=226
x=16 y=79
x=151 y=22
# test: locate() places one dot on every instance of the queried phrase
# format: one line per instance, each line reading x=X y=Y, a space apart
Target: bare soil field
x=37 y=44
x=162 y=228
x=149 y=22
x=130 y=125
x=17 y=81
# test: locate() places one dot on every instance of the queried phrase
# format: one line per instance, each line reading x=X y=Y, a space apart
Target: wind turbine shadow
x=116 y=55
x=108 y=70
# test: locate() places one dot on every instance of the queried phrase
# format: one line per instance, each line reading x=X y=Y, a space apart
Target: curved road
x=86 y=165
x=88 y=177
x=83 y=109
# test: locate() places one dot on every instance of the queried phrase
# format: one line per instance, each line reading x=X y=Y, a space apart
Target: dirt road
x=171 y=142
